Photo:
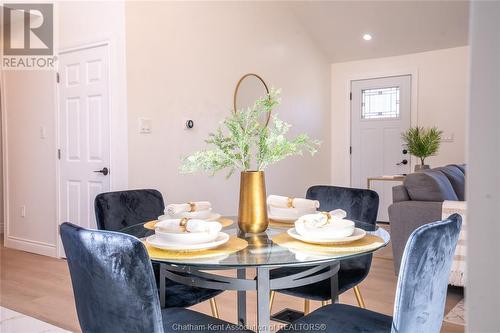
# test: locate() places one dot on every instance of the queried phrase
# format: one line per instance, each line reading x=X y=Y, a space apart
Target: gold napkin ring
x=290 y=202
x=328 y=216
x=192 y=206
x=183 y=223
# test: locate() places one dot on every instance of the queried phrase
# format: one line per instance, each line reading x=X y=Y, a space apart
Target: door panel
x=380 y=112
x=84 y=132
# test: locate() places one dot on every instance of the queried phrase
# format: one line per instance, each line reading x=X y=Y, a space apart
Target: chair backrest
x=117 y=210
x=423 y=277
x=113 y=281
x=359 y=204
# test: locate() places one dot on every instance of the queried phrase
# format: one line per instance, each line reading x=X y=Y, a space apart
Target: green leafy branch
x=241 y=134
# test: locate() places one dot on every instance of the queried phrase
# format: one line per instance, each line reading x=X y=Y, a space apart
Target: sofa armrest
x=405 y=217
x=399 y=193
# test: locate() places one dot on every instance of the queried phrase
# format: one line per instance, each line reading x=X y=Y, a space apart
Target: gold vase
x=252 y=213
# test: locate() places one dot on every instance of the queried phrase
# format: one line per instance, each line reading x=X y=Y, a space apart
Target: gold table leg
x=271 y=300
x=307 y=306
x=359 y=298
x=213 y=306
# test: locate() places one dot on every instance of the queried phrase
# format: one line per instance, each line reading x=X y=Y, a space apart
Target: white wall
x=30 y=161
x=483 y=229
x=441 y=100
x=1 y=161
x=30 y=102
x=183 y=62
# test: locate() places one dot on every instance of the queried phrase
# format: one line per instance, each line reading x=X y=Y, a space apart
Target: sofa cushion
x=462 y=167
x=456 y=178
x=429 y=185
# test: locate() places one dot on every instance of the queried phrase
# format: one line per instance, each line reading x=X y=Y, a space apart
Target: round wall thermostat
x=189 y=124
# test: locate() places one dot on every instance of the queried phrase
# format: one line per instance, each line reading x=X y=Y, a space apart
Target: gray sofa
x=419 y=201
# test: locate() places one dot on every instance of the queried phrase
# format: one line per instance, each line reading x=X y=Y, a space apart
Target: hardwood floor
x=40 y=287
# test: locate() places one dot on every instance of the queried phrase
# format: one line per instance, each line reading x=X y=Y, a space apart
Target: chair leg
x=271 y=300
x=359 y=298
x=307 y=306
x=213 y=306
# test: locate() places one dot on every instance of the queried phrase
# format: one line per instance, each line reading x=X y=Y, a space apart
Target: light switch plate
x=43 y=132
x=448 y=137
x=145 y=126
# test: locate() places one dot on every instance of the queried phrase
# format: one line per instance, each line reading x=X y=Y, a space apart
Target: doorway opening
x=380 y=112
x=84 y=132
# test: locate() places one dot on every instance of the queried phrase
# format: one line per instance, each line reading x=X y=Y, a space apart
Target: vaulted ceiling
x=397 y=27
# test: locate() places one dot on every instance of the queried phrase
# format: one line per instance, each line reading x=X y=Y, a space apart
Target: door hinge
x=59 y=154
x=350 y=96
x=350 y=150
x=57 y=77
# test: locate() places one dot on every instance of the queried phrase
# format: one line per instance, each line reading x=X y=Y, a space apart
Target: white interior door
x=380 y=112
x=84 y=132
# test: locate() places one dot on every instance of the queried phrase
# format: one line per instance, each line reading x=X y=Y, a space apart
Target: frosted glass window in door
x=380 y=103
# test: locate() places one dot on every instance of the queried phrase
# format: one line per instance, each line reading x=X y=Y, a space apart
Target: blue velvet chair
x=420 y=295
x=117 y=210
x=361 y=206
x=115 y=289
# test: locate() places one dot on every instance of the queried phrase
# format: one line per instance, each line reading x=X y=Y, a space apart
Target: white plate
x=291 y=213
x=287 y=219
x=290 y=220
x=211 y=217
x=358 y=234
x=155 y=242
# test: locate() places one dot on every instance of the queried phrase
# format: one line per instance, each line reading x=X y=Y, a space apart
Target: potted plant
x=422 y=142
x=243 y=143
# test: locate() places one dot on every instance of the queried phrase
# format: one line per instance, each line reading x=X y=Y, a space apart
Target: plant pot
x=252 y=212
x=421 y=167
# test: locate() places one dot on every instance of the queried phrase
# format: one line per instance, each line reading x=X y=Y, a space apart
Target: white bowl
x=211 y=217
x=337 y=229
x=171 y=237
x=199 y=215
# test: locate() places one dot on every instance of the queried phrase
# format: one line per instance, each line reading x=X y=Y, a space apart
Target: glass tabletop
x=262 y=251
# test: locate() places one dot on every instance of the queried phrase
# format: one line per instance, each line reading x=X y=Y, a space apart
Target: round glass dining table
x=264 y=255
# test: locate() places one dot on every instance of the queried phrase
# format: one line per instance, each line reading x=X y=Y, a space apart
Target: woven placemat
x=226 y=222
x=367 y=243
x=234 y=244
x=281 y=224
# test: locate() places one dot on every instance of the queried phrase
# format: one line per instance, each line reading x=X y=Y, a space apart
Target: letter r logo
x=28 y=29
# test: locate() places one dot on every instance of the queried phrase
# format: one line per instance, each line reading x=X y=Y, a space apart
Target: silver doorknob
x=104 y=171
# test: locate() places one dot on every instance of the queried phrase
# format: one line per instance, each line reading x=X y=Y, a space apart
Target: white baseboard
x=30 y=246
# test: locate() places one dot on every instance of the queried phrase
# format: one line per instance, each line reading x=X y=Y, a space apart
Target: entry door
x=380 y=112
x=84 y=132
